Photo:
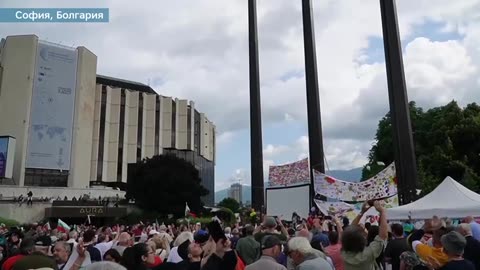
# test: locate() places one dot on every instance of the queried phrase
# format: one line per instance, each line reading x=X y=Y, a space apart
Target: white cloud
x=225 y=137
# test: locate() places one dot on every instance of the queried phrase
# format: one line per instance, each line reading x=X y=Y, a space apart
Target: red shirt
x=10 y=262
x=137 y=232
x=157 y=262
x=334 y=252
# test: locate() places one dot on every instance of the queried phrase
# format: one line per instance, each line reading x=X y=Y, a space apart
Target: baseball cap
x=270 y=241
x=201 y=237
x=270 y=222
x=454 y=243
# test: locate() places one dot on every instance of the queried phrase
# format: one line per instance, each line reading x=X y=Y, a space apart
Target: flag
x=47 y=226
x=187 y=209
x=62 y=226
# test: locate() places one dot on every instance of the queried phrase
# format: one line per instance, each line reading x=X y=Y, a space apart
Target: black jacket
x=228 y=262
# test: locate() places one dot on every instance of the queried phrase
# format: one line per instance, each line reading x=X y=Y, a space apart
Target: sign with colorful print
x=289 y=174
x=382 y=185
x=342 y=209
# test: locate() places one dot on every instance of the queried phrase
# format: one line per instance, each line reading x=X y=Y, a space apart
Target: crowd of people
x=318 y=242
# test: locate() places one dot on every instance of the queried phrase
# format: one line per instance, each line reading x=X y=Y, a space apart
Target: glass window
x=101 y=137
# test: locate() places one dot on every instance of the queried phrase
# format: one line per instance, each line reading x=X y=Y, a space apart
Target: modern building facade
x=74 y=128
x=235 y=192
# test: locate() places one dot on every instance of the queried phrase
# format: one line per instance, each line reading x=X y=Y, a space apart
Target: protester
x=27 y=247
x=334 y=250
x=89 y=238
x=303 y=255
x=396 y=246
x=124 y=241
x=271 y=249
x=472 y=248
x=453 y=245
x=475 y=227
x=248 y=248
x=138 y=257
x=112 y=255
x=356 y=254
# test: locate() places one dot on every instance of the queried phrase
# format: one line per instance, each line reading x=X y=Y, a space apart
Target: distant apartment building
x=235 y=192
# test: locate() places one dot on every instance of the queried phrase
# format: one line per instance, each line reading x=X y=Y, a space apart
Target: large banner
x=52 y=109
x=382 y=185
x=289 y=174
x=3 y=156
x=352 y=210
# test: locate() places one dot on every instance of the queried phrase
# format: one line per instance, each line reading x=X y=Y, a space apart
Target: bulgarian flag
x=62 y=226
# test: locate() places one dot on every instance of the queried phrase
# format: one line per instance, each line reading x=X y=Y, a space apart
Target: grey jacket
x=265 y=263
x=312 y=262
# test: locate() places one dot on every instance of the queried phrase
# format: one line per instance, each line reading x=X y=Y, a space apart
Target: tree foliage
x=164 y=184
x=230 y=203
x=446 y=144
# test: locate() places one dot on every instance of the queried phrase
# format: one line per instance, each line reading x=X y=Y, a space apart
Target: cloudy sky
x=198 y=50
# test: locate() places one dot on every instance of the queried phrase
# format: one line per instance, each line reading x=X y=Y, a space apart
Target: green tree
x=164 y=184
x=446 y=144
x=230 y=203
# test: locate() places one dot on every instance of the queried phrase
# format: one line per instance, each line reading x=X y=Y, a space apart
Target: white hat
x=153 y=232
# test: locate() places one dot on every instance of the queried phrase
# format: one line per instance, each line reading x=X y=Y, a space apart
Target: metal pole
x=315 y=138
x=256 y=149
x=405 y=162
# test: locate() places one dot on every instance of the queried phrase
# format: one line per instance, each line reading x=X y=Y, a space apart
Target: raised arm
x=339 y=229
x=383 y=228
x=365 y=208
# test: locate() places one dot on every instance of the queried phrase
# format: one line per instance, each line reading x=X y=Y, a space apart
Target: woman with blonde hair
x=162 y=247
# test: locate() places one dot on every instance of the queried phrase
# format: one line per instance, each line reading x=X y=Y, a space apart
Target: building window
x=140 y=127
x=121 y=134
x=46 y=178
x=189 y=127
x=1 y=78
x=101 y=137
x=157 y=125
x=196 y=138
x=174 y=123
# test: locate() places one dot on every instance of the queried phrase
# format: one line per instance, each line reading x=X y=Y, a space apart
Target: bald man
x=475 y=227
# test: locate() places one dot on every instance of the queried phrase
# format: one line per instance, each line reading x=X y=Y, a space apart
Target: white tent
x=449 y=199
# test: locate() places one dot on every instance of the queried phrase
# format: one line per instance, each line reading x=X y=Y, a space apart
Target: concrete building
x=107 y=122
x=235 y=192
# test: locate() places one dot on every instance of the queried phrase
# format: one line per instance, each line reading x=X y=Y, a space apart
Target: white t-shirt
x=104 y=247
x=173 y=257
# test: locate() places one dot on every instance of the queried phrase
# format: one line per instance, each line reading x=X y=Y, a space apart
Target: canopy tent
x=449 y=199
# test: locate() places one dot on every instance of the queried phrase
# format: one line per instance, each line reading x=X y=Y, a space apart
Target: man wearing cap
x=269 y=227
x=247 y=247
x=454 y=245
x=271 y=249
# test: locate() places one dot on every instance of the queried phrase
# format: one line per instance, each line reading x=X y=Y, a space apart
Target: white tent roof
x=449 y=199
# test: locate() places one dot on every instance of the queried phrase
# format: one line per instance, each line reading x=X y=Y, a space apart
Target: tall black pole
x=315 y=139
x=405 y=161
x=256 y=149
